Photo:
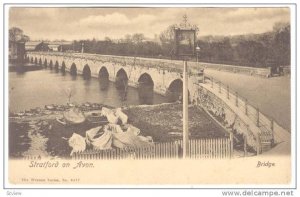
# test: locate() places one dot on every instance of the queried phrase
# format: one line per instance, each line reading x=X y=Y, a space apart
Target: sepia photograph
x=192 y=91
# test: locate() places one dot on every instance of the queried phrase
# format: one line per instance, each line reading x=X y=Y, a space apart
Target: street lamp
x=201 y=72
x=197 y=53
x=82 y=47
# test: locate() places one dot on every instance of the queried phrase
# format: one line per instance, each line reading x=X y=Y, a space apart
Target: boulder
x=74 y=116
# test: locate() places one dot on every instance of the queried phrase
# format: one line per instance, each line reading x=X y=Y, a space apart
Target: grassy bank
x=162 y=122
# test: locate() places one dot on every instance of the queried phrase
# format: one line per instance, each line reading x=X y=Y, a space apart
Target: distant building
x=53 y=47
x=16 y=52
x=60 y=46
x=48 y=46
x=36 y=46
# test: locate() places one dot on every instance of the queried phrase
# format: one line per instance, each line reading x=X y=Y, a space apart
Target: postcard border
x=134 y=5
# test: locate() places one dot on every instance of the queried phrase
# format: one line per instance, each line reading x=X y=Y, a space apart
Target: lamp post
x=82 y=47
x=201 y=73
x=61 y=46
x=197 y=53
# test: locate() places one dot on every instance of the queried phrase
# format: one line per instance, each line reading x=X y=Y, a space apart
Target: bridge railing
x=171 y=65
x=269 y=128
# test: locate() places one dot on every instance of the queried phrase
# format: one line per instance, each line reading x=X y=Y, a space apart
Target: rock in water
x=74 y=116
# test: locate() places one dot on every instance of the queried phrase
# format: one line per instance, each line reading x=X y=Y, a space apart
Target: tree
x=128 y=38
x=282 y=45
x=252 y=52
x=167 y=39
x=16 y=35
x=138 y=38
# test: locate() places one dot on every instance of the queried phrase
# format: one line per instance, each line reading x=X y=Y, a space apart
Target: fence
x=210 y=148
x=270 y=130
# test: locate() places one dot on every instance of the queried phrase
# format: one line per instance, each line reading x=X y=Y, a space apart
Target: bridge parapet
x=240 y=115
x=171 y=65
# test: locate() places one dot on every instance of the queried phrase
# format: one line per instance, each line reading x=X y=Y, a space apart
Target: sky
x=88 y=23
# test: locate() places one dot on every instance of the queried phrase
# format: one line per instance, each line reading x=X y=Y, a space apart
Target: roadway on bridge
x=271 y=95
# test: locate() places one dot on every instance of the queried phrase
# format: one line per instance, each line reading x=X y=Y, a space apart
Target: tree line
x=255 y=50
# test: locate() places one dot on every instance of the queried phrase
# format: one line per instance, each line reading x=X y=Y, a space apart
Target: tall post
x=272 y=130
x=245 y=145
x=246 y=107
x=257 y=117
x=236 y=99
x=227 y=92
x=258 y=145
x=231 y=144
x=82 y=50
x=185 y=111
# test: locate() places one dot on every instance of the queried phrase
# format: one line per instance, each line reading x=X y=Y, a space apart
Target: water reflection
x=146 y=94
x=103 y=83
x=174 y=92
x=44 y=87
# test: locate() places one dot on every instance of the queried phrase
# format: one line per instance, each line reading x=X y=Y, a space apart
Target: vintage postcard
x=150 y=96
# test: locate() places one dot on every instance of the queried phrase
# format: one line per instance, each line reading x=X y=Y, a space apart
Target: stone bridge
x=164 y=76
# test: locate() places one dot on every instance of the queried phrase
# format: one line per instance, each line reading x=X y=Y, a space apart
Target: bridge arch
x=174 y=91
x=35 y=61
x=51 y=64
x=73 y=69
x=56 y=66
x=145 y=89
x=40 y=62
x=146 y=79
x=86 y=72
x=103 y=73
x=31 y=60
x=103 y=77
x=63 y=67
x=45 y=63
x=121 y=79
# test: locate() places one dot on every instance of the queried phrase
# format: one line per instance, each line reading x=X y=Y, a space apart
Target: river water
x=32 y=89
x=43 y=87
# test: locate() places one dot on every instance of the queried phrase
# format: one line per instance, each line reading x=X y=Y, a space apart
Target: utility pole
x=185 y=111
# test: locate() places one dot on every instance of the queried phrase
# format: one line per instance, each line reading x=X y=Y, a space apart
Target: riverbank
x=42 y=135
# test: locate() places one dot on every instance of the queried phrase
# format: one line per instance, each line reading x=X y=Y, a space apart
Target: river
x=44 y=87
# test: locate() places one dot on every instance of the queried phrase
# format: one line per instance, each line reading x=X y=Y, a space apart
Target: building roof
x=60 y=43
x=53 y=45
x=33 y=43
